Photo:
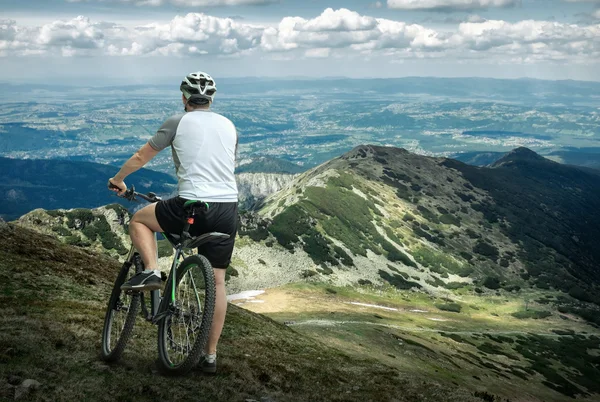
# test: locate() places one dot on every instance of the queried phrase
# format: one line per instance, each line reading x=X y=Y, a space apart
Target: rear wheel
x=183 y=332
x=120 y=314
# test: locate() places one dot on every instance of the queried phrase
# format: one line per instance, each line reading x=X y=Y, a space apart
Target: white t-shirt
x=203 y=145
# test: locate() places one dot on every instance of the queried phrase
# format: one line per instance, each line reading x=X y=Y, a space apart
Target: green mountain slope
x=382 y=214
x=53 y=299
x=265 y=164
x=51 y=184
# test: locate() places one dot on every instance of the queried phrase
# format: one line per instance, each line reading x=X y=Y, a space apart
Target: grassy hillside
x=489 y=344
x=53 y=299
x=383 y=215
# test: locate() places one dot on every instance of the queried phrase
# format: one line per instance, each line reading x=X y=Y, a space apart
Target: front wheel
x=120 y=315
x=183 y=332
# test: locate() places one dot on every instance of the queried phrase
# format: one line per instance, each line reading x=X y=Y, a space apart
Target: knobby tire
x=195 y=262
x=113 y=354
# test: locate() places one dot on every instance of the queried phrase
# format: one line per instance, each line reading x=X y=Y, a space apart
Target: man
x=203 y=145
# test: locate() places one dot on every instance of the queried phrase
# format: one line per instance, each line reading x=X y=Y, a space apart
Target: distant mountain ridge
x=383 y=214
x=582 y=158
x=51 y=184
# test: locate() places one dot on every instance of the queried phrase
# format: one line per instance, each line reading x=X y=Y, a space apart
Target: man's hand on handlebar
x=117 y=186
x=130 y=194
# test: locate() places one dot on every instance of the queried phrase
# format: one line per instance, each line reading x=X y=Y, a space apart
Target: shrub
x=344 y=180
x=258 y=234
x=231 y=271
x=90 y=231
x=535 y=314
x=364 y=282
x=491 y=282
x=165 y=249
x=396 y=255
x=308 y=273
x=317 y=247
x=402 y=191
x=455 y=285
x=343 y=256
x=289 y=225
x=390 y=233
x=440 y=262
x=450 y=220
x=427 y=214
x=452 y=307
x=75 y=240
x=118 y=208
x=580 y=294
x=589 y=314
x=61 y=230
x=487 y=250
x=83 y=215
x=325 y=270
x=398 y=281
x=55 y=213
x=408 y=217
x=435 y=282
x=466 y=256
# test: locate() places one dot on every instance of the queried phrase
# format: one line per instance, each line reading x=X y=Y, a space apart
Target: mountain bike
x=183 y=312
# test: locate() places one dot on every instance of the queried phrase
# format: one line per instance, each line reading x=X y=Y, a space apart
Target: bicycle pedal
x=163 y=276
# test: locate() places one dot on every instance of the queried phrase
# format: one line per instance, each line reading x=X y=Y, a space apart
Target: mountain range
x=51 y=184
x=480 y=278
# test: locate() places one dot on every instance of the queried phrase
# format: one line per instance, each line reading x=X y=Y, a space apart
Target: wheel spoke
x=186 y=320
x=120 y=318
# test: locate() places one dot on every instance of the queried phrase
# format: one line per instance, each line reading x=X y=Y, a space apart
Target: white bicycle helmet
x=197 y=86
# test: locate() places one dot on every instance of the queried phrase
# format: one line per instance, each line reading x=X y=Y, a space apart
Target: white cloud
x=450 y=5
x=194 y=34
x=475 y=18
x=8 y=30
x=342 y=29
x=318 y=53
x=78 y=33
x=342 y=33
x=336 y=20
x=536 y=37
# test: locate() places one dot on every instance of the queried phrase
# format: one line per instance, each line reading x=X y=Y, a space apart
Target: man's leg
x=141 y=229
x=220 y=311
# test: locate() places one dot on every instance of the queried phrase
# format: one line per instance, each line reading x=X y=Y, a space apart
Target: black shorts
x=220 y=217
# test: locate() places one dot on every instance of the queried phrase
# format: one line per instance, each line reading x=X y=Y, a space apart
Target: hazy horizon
x=137 y=40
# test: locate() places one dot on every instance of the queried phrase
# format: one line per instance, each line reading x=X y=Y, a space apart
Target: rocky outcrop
x=255 y=187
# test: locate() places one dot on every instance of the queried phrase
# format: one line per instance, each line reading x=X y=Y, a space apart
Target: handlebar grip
x=112 y=186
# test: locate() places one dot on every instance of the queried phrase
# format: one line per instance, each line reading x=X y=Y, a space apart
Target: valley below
x=480 y=345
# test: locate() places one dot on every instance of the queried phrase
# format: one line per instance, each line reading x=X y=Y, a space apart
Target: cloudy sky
x=139 y=40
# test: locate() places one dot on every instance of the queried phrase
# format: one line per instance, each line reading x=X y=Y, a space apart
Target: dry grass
x=53 y=306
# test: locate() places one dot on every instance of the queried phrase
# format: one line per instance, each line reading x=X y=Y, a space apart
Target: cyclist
x=203 y=145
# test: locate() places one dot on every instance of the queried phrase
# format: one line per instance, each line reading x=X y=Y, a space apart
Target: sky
x=138 y=41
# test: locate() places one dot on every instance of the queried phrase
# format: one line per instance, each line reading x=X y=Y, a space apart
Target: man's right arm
x=162 y=139
x=165 y=134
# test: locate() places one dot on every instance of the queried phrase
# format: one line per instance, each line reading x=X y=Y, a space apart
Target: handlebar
x=130 y=194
